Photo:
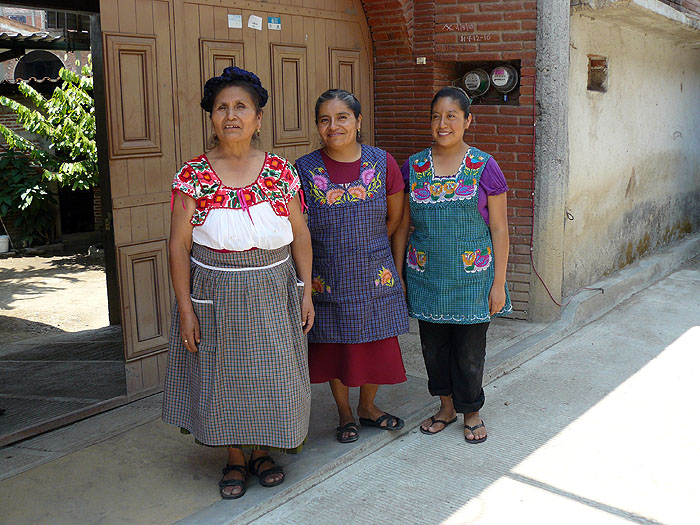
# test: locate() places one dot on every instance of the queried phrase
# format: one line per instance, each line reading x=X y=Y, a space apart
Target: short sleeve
x=492 y=180
x=291 y=182
x=394 y=178
x=406 y=174
x=184 y=181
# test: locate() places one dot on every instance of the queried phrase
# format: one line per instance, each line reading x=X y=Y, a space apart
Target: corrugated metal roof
x=74 y=42
x=32 y=80
x=36 y=37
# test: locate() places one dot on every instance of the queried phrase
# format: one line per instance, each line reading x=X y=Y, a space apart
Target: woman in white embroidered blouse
x=237 y=373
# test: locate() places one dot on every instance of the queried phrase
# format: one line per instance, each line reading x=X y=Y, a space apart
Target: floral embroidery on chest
x=325 y=192
x=429 y=189
x=273 y=184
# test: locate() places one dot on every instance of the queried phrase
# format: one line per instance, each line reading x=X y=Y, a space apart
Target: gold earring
x=257 y=133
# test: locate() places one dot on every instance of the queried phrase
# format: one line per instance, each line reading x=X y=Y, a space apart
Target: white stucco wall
x=634 y=178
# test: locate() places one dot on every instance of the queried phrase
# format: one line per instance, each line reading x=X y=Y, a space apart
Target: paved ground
x=51 y=294
x=57 y=352
x=596 y=428
x=600 y=428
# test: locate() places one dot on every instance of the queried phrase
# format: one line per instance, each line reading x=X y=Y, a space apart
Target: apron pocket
x=204 y=310
x=477 y=256
x=416 y=258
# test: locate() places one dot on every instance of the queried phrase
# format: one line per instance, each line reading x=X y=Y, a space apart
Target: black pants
x=454 y=356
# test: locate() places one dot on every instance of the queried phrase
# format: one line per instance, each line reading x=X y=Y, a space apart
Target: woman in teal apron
x=455 y=261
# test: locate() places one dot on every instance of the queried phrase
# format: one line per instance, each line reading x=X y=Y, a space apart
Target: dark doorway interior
x=77 y=213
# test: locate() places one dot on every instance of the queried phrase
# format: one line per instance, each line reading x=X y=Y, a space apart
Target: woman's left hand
x=307 y=313
x=497 y=298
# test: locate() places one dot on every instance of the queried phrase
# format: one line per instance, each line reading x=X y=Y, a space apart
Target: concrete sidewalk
x=126 y=466
x=600 y=428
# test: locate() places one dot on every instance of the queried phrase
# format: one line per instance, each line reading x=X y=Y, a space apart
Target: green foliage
x=23 y=188
x=67 y=122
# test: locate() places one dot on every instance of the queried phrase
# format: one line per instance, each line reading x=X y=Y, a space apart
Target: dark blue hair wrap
x=233 y=75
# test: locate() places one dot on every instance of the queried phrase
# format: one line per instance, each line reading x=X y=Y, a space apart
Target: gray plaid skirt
x=248 y=384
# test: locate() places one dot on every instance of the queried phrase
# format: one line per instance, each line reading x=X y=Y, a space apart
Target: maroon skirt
x=376 y=362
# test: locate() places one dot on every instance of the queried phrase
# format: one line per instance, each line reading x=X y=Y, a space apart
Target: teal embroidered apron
x=449 y=259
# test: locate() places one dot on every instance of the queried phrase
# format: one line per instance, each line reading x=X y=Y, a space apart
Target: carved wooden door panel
x=143 y=156
x=157 y=56
x=313 y=50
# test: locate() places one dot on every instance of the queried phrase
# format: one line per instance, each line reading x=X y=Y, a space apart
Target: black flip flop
x=433 y=421
x=347 y=428
x=472 y=429
x=254 y=468
x=377 y=423
x=232 y=482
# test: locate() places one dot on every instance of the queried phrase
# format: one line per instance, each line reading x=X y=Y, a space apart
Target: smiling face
x=448 y=122
x=234 y=116
x=337 y=125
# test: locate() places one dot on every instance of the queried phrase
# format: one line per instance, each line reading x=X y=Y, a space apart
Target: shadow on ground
x=46 y=377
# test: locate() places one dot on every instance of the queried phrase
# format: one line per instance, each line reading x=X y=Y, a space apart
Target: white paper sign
x=274 y=23
x=255 y=22
x=235 y=21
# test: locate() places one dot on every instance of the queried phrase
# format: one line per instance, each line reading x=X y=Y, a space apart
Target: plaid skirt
x=248 y=384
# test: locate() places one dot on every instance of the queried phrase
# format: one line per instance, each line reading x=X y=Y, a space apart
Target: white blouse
x=232 y=229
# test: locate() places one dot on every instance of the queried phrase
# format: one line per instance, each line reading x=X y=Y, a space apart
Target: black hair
x=453 y=93
x=344 y=96
x=234 y=76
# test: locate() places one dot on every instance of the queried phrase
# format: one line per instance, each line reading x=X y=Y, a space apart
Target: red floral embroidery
x=275 y=163
x=270 y=183
x=287 y=175
x=276 y=184
x=248 y=195
x=280 y=209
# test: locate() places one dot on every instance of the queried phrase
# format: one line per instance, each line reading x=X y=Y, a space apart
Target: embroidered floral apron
x=449 y=259
x=356 y=294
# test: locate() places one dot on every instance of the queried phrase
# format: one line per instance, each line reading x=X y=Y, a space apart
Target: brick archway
x=391 y=24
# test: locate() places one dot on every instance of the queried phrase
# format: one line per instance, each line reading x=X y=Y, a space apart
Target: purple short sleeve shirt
x=492 y=182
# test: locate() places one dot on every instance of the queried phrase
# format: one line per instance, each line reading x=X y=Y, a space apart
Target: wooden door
x=318 y=46
x=143 y=155
x=158 y=54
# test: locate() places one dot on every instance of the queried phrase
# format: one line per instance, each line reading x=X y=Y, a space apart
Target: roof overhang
x=71 y=41
x=649 y=16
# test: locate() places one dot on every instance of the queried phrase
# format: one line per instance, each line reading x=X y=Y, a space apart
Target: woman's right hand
x=189 y=331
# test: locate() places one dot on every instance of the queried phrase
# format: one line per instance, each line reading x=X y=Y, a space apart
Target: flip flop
x=350 y=429
x=472 y=429
x=433 y=421
x=377 y=423
x=232 y=482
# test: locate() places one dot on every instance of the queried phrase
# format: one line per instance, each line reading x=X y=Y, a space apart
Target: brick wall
x=447 y=33
x=689 y=7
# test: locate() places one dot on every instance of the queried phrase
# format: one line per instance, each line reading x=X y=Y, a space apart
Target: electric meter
x=504 y=78
x=476 y=82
